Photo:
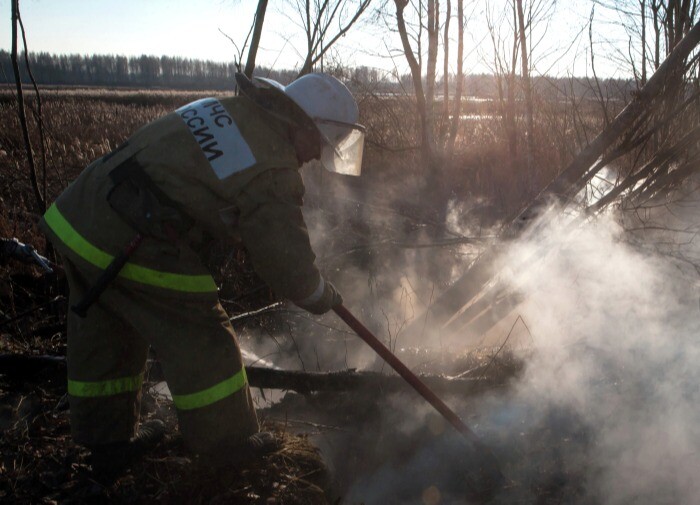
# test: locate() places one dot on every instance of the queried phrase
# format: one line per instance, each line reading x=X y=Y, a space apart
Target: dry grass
x=482 y=167
x=40 y=464
x=85 y=123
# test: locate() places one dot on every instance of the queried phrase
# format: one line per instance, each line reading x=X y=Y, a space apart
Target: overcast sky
x=191 y=29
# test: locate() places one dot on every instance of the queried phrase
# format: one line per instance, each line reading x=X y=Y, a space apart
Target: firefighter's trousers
x=196 y=346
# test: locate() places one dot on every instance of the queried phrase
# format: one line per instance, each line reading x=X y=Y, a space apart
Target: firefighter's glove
x=320 y=304
x=11 y=248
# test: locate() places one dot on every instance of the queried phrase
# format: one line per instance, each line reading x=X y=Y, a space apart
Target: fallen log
x=24 y=367
x=349 y=380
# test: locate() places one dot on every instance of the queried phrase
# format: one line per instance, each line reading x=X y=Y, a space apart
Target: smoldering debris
x=606 y=410
x=611 y=392
x=39 y=463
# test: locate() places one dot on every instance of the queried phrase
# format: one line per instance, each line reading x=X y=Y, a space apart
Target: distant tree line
x=184 y=73
x=136 y=71
x=485 y=85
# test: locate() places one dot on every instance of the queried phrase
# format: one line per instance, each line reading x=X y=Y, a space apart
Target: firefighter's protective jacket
x=230 y=169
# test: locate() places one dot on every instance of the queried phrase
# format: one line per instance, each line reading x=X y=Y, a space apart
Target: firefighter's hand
x=11 y=248
x=329 y=298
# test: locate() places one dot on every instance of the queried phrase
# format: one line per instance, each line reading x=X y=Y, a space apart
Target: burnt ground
x=333 y=442
x=40 y=464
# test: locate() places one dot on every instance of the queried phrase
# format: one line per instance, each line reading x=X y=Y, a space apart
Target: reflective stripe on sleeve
x=213 y=394
x=79 y=245
x=105 y=388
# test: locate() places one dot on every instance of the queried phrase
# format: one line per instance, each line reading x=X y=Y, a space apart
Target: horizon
x=384 y=77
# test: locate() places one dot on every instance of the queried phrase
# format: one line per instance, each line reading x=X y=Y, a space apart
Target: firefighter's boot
x=260 y=444
x=252 y=448
x=110 y=460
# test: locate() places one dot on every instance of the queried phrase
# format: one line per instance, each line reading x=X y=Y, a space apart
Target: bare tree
x=459 y=78
x=671 y=20
x=505 y=47
x=655 y=9
x=437 y=131
x=476 y=299
x=598 y=90
x=324 y=23
x=419 y=26
x=426 y=128
x=515 y=33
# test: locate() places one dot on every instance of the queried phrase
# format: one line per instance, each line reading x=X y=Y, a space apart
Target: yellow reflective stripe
x=74 y=240
x=99 y=258
x=105 y=388
x=213 y=394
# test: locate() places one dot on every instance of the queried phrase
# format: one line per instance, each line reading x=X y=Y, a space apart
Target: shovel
x=485 y=477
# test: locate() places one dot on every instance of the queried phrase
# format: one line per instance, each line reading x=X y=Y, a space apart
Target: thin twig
x=39 y=115
x=32 y=310
x=256 y=312
x=519 y=318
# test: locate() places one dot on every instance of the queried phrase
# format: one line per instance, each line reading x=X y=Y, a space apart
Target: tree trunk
x=511 y=131
x=415 y=74
x=457 y=109
x=255 y=42
x=433 y=22
x=655 y=7
x=40 y=203
x=642 y=6
x=527 y=89
x=446 y=77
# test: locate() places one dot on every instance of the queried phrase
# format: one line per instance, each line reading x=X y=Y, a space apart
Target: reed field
x=82 y=124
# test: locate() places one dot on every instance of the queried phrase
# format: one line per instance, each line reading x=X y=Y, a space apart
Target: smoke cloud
x=607 y=409
x=610 y=394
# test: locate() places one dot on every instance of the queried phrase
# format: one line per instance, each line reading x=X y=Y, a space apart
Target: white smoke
x=613 y=382
x=608 y=407
x=364 y=247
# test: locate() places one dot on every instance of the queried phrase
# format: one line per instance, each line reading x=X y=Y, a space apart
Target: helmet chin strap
x=307 y=144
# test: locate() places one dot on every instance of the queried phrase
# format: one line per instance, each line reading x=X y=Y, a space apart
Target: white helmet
x=334 y=112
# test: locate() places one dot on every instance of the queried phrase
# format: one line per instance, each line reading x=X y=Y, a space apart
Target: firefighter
x=225 y=168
